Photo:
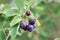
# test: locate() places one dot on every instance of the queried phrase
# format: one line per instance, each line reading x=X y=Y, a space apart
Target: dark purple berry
x=34 y=25
x=23 y=25
x=28 y=12
x=30 y=28
x=31 y=21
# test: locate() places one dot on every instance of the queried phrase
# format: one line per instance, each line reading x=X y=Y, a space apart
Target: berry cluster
x=31 y=23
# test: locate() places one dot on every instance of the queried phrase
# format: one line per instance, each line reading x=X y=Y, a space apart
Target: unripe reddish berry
x=28 y=12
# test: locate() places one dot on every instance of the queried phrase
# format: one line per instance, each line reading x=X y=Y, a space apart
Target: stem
x=7 y=36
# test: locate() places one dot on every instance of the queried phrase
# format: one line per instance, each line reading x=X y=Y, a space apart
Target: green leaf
x=37 y=29
x=14 y=31
x=36 y=9
x=0 y=39
x=57 y=38
x=7 y=22
x=45 y=33
x=6 y=25
x=38 y=1
x=50 y=24
x=1 y=22
x=15 y=20
x=41 y=37
x=38 y=26
x=43 y=16
x=10 y=12
x=24 y=36
x=2 y=35
x=5 y=6
x=19 y=3
x=38 y=23
x=5 y=1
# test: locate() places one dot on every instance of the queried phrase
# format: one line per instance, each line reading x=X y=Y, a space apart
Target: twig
x=7 y=36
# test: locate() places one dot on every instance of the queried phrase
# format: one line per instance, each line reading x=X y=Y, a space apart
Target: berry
x=28 y=13
x=31 y=21
x=30 y=28
x=23 y=25
x=34 y=25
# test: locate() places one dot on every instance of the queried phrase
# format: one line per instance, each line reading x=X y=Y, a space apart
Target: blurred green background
x=48 y=13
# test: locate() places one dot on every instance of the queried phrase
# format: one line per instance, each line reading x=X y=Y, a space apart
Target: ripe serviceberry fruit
x=30 y=28
x=23 y=25
x=28 y=12
x=34 y=25
x=31 y=21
